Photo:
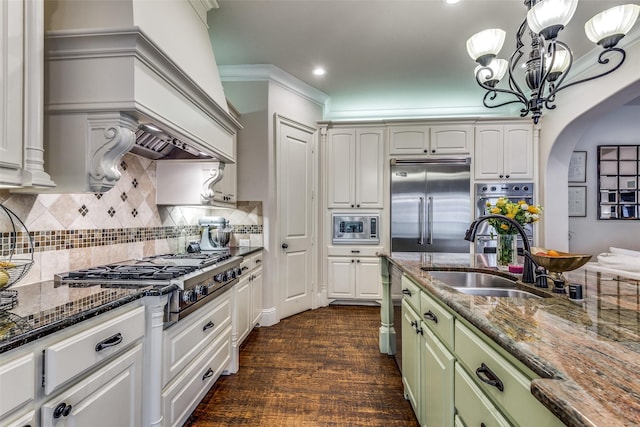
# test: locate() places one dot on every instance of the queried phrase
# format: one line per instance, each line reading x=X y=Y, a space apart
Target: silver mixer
x=216 y=233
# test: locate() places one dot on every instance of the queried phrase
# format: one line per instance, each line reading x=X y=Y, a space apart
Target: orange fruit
x=551 y=252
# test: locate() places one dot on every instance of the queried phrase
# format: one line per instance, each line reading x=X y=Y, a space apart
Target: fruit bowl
x=12 y=271
x=559 y=263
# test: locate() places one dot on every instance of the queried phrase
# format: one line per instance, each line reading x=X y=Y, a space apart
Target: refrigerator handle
x=430 y=220
x=421 y=221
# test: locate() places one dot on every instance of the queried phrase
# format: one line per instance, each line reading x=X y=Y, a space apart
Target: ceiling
x=393 y=58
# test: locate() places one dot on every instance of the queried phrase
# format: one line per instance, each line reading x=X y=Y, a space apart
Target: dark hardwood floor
x=318 y=368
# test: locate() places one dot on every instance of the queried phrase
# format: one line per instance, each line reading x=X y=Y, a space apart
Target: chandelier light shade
x=548 y=17
x=608 y=27
x=546 y=60
x=492 y=73
x=485 y=45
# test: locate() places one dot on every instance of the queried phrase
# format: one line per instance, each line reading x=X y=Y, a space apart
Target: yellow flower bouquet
x=521 y=212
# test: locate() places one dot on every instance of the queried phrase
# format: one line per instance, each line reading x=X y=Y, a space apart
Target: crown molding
x=271 y=73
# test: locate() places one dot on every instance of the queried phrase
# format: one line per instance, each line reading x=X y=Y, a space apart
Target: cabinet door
x=472 y=405
x=109 y=397
x=408 y=140
x=452 y=139
x=518 y=152
x=11 y=95
x=341 y=163
x=17 y=379
x=437 y=367
x=256 y=297
x=368 y=284
x=488 y=153
x=369 y=168
x=242 y=312
x=411 y=357
x=341 y=277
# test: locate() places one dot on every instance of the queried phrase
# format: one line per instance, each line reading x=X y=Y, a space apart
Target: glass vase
x=506 y=250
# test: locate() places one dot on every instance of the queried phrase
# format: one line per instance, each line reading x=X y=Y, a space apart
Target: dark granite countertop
x=587 y=353
x=43 y=308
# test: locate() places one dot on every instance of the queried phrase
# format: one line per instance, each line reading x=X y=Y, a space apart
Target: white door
x=295 y=181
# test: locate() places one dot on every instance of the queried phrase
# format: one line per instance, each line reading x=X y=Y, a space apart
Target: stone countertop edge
x=566 y=399
x=59 y=325
x=244 y=250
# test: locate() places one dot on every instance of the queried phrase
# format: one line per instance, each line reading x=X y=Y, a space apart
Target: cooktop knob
x=220 y=277
x=493 y=188
x=231 y=274
x=238 y=271
x=189 y=296
x=202 y=290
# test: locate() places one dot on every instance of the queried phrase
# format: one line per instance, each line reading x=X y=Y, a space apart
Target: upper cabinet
x=21 y=95
x=355 y=168
x=195 y=183
x=504 y=151
x=435 y=140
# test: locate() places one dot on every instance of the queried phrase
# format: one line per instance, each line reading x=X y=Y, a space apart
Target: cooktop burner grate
x=141 y=272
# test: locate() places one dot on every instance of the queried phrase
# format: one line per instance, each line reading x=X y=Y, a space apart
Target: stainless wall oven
x=489 y=193
x=356 y=228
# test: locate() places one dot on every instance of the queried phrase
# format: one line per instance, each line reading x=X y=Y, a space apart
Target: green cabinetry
x=454 y=375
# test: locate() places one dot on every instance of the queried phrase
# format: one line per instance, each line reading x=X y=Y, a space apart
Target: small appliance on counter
x=216 y=233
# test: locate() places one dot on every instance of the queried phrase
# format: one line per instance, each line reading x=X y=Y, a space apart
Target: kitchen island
x=585 y=355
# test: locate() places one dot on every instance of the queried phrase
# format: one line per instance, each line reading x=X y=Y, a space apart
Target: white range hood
x=130 y=75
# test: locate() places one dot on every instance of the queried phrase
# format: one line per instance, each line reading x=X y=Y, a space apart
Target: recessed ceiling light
x=319 y=71
x=451 y=1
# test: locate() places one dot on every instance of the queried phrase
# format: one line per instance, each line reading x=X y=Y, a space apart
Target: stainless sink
x=472 y=279
x=497 y=292
x=481 y=284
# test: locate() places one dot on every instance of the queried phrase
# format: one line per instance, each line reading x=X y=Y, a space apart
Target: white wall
x=588 y=234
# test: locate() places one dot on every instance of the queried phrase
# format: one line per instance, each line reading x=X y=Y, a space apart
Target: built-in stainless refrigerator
x=430 y=205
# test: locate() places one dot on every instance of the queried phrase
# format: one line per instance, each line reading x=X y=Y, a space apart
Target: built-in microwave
x=356 y=228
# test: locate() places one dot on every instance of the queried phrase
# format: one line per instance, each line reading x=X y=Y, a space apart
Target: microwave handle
x=421 y=221
x=430 y=221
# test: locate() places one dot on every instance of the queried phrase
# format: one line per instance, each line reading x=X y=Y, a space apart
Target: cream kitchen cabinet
x=504 y=151
x=89 y=373
x=110 y=396
x=355 y=159
x=255 y=282
x=196 y=351
x=225 y=190
x=21 y=95
x=353 y=273
x=431 y=140
x=17 y=385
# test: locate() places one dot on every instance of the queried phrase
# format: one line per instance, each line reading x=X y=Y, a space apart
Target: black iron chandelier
x=549 y=59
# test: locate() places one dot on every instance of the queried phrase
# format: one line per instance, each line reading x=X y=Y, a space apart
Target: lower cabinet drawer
x=74 y=355
x=26 y=420
x=437 y=318
x=184 y=340
x=411 y=293
x=181 y=397
x=513 y=393
x=473 y=408
x=17 y=382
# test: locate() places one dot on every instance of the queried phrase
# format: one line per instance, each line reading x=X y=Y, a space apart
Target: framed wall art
x=578 y=201
x=578 y=167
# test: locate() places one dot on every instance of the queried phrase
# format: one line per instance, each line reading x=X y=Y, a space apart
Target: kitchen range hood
x=130 y=75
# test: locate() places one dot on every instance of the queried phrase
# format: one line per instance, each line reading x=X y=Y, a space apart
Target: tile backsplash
x=71 y=231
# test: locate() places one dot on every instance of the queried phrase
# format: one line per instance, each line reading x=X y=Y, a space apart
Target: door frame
x=313 y=131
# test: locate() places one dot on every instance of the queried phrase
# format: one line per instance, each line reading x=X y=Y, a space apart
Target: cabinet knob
x=425 y=151
x=506 y=176
x=285 y=245
x=406 y=292
x=358 y=260
x=352 y=206
x=352 y=260
x=501 y=176
x=209 y=325
x=433 y=151
x=109 y=342
x=62 y=410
